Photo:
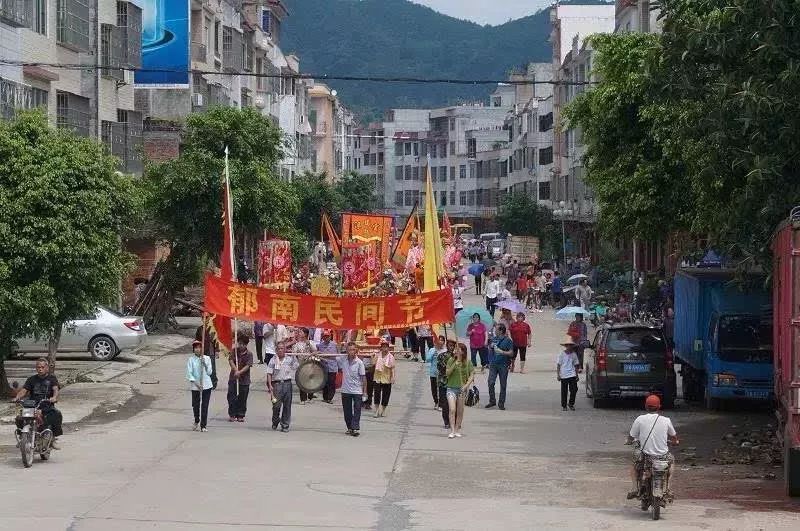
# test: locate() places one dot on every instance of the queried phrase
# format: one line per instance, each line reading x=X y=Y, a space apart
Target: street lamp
x=562 y=213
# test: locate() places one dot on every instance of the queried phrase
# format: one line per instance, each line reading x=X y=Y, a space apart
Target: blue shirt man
x=556 y=284
x=503 y=349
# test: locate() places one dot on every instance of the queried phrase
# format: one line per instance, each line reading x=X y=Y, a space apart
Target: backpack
x=473 y=397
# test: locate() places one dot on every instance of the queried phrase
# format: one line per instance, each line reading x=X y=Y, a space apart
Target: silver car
x=104 y=335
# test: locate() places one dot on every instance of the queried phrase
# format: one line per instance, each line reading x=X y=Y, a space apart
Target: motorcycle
x=652 y=473
x=33 y=437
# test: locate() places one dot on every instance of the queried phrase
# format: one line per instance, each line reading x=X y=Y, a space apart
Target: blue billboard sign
x=165 y=44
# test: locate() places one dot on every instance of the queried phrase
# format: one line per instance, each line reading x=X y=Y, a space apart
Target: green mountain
x=400 y=38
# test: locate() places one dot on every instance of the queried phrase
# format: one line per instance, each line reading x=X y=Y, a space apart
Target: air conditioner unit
x=198 y=100
x=127 y=77
x=260 y=101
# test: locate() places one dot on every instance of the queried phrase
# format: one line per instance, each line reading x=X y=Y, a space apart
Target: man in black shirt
x=43 y=386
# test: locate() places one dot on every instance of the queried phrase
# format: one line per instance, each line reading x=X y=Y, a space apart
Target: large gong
x=311 y=375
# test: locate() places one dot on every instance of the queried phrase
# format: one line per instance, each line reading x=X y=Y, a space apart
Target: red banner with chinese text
x=274 y=263
x=367 y=226
x=248 y=302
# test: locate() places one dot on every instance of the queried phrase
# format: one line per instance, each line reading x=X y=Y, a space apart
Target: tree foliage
x=356 y=192
x=185 y=195
x=519 y=214
x=62 y=210
x=696 y=129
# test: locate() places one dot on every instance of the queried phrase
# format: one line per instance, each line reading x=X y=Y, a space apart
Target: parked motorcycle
x=652 y=473
x=33 y=437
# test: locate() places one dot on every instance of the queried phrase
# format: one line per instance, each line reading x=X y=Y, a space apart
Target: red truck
x=786 y=343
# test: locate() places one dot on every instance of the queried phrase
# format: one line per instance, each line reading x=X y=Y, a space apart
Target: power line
x=321 y=77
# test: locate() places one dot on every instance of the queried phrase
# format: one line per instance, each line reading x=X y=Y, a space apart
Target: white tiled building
x=92 y=102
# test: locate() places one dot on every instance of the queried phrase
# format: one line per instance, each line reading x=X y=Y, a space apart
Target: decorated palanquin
x=274 y=264
x=360 y=267
x=368 y=227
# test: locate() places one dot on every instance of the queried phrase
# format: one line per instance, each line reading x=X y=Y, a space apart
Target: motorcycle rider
x=652 y=431
x=43 y=386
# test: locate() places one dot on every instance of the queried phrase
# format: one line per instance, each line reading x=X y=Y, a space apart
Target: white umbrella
x=568 y=313
x=576 y=278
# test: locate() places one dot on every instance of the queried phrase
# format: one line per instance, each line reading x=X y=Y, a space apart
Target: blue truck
x=723 y=337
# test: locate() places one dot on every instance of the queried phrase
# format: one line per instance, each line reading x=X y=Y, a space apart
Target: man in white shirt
x=354 y=388
x=567 y=373
x=268 y=341
x=280 y=371
x=492 y=293
x=653 y=432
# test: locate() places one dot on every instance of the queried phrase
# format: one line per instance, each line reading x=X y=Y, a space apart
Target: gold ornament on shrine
x=320 y=286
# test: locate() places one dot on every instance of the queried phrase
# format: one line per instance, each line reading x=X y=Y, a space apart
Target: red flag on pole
x=222 y=325
x=447 y=230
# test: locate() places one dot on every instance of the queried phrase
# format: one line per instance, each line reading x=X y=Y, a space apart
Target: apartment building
x=95 y=100
x=636 y=16
x=332 y=127
x=237 y=62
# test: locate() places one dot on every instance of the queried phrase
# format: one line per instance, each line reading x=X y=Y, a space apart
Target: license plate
x=757 y=394
x=636 y=367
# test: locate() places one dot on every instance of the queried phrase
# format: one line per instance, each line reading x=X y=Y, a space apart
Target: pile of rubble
x=749 y=446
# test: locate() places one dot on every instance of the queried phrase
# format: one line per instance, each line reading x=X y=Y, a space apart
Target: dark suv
x=629 y=360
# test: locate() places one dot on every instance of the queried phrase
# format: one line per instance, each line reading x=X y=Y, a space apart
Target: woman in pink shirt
x=478 y=340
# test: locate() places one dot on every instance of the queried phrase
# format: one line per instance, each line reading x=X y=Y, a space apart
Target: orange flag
x=327 y=231
x=447 y=230
x=403 y=245
x=222 y=326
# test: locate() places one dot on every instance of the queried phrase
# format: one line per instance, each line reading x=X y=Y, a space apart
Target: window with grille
x=544 y=191
x=398 y=173
x=398 y=198
x=73 y=24
x=462 y=198
x=462 y=171
x=38 y=22
x=546 y=156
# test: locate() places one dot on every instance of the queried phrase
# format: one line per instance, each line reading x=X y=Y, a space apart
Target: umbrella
x=577 y=278
x=464 y=317
x=511 y=304
x=568 y=313
x=476 y=269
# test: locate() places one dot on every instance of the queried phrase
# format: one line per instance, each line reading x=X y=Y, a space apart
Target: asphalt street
x=529 y=467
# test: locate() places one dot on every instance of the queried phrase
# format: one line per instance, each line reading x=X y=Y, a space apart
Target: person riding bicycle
x=43 y=386
x=652 y=431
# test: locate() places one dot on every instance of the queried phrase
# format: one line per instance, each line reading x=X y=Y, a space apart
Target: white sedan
x=103 y=335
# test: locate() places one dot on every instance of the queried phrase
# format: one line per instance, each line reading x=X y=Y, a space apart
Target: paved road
x=530 y=467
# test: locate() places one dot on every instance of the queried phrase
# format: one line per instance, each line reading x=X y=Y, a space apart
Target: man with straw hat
x=567 y=368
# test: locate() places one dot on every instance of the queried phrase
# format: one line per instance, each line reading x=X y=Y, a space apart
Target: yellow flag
x=434 y=268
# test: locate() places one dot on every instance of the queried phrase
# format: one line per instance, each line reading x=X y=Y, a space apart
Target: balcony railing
x=16 y=13
x=77 y=121
x=320 y=128
x=72 y=24
x=199 y=52
x=14 y=96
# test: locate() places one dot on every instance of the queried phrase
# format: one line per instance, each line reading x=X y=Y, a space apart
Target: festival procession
x=407 y=264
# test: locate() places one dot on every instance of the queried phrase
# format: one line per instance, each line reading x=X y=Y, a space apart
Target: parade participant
x=369 y=375
x=584 y=293
x=506 y=318
x=198 y=372
x=413 y=343
x=433 y=355
x=441 y=379
x=457 y=290
x=505 y=294
x=354 y=388
x=557 y=290
x=522 y=287
x=492 y=293
x=39 y=387
x=567 y=373
x=268 y=332
x=541 y=291
x=478 y=341
x=210 y=349
x=520 y=333
x=503 y=352
x=579 y=333
x=326 y=346
x=425 y=338
x=240 y=361
x=460 y=373
x=302 y=348
x=280 y=371
x=384 y=378
x=258 y=335
x=512 y=272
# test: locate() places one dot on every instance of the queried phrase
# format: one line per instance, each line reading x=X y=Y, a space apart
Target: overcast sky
x=486 y=11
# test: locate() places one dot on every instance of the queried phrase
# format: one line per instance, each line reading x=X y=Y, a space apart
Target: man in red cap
x=653 y=433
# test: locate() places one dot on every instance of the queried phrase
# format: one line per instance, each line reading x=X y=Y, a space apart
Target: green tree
x=316 y=195
x=356 y=192
x=640 y=186
x=520 y=214
x=62 y=210
x=185 y=195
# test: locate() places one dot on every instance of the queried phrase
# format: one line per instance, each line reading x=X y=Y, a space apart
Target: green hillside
x=400 y=38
